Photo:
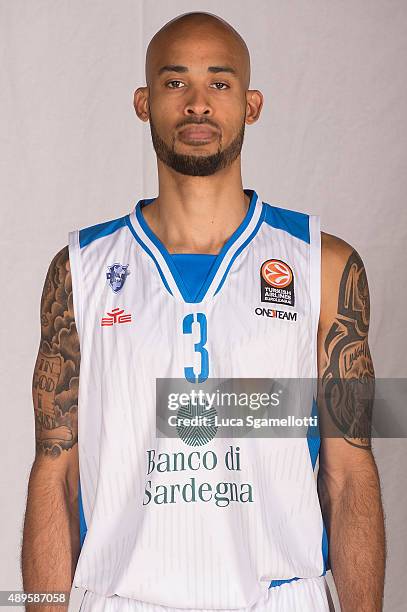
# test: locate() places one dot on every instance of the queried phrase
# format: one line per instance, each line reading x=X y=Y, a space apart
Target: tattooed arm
x=50 y=547
x=348 y=481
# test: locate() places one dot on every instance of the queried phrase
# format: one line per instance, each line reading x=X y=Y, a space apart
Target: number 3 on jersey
x=198 y=346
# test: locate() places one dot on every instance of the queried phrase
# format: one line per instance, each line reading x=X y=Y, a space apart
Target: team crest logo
x=116 y=275
x=277 y=282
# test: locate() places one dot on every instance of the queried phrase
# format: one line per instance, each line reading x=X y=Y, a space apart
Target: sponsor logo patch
x=276 y=314
x=115 y=316
x=277 y=282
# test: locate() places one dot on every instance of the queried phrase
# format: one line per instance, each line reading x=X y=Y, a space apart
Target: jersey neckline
x=165 y=265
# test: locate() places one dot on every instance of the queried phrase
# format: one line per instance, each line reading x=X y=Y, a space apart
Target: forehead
x=196 y=52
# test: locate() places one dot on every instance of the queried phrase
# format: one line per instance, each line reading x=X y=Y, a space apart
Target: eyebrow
x=177 y=68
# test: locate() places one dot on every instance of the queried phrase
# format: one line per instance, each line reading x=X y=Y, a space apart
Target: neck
x=193 y=214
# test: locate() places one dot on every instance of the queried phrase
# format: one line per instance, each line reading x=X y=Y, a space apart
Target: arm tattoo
x=348 y=378
x=56 y=374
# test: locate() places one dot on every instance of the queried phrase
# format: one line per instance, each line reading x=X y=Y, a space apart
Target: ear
x=254 y=104
x=140 y=103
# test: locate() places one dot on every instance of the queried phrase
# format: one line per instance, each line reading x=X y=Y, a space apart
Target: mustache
x=195 y=121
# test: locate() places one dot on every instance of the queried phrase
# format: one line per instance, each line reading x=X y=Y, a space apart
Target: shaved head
x=197 y=98
x=198 y=25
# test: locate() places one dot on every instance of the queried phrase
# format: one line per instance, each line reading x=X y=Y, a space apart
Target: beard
x=197 y=165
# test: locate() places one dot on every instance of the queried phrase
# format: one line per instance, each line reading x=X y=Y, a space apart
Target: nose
x=197 y=104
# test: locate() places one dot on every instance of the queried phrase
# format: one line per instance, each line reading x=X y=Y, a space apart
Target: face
x=200 y=162
x=196 y=103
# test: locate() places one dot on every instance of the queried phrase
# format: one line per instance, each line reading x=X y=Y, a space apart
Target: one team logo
x=277 y=282
x=116 y=275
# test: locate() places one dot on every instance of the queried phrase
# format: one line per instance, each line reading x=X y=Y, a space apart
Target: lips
x=197 y=133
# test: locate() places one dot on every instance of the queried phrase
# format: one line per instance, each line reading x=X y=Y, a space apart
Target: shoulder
x=61 y=258
x=336 y=254
x=58 y=270
x=343 y=274
x=56 y=298
x=334 y=250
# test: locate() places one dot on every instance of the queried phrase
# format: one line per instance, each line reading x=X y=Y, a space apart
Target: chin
x=196 y=150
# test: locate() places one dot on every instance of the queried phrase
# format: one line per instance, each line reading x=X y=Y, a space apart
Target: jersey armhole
x=315 y=285
x=75 y=264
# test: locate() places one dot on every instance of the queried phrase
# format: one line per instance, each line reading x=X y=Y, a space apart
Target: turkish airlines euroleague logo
x=277 y=282
x=276 y=273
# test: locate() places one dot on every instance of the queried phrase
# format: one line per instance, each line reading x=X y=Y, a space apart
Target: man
x=204 y=281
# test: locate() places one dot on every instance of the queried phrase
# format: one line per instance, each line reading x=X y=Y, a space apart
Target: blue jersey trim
x=194 y=269
x=219 y=257
x=277 y=583
x=291 y=221
x=170 y=263
x=82 y=522
x=143 y=246
x=314 y=444
x=227 y=246
x=242 y=246
x=313 y=436
x=325 y=550
x=89 y=234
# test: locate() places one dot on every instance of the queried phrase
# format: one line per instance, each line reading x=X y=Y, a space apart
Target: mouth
x=197 y=134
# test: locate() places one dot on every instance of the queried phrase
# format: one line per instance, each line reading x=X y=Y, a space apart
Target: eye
x=169 y=83
x=224 y=85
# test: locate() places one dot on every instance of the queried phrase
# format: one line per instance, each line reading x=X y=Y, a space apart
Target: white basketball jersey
x=170 y=521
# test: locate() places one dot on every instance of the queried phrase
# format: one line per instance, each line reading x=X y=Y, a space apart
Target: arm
x=51 y=543
x=348 y=481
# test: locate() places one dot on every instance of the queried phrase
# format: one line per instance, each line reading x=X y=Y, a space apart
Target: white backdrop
x=331 y=141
